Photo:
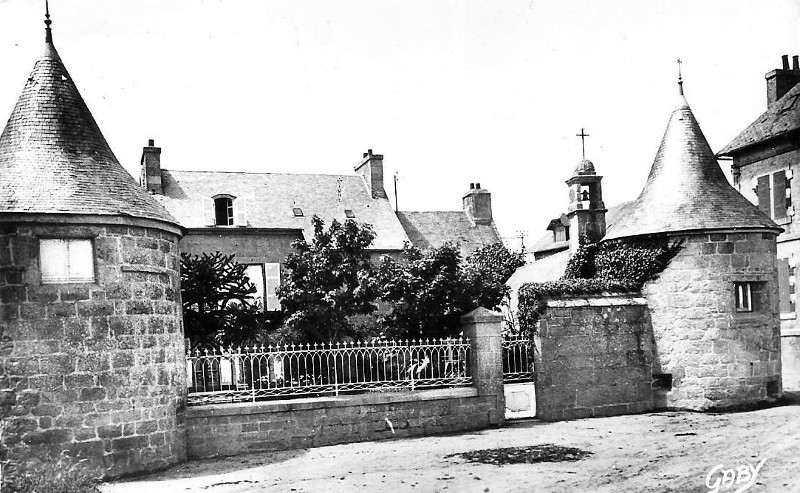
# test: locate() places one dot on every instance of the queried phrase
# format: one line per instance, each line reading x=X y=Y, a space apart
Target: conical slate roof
x=54 y=159
x=686 y=189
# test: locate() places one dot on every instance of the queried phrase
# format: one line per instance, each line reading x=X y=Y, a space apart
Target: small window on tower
x=223 y=211
x=743 y=292
x=66 y=261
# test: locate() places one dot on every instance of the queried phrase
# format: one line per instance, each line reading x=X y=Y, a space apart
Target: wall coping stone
x=599 y=300
x=246 y=408
x=481 y=314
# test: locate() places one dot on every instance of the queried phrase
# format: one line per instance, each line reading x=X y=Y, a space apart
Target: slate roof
x=271 y=198
x=54 y=158
x=781 y=119
x=686 y=189
x=433 y=229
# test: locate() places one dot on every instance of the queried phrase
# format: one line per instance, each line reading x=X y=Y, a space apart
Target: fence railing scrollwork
x=253 y=373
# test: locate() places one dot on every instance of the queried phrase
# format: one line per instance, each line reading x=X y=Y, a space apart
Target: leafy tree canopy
x=327 y=281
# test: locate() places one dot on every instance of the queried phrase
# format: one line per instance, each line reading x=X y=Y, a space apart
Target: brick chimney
x=371 y=168
x=151 y=168
x=780 y=81
x=478 y=204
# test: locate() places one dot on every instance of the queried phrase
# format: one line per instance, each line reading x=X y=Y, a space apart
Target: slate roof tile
x=54 y=158
x=783 y=118
x=686 y=189
x=431 y=229
x=272 y=197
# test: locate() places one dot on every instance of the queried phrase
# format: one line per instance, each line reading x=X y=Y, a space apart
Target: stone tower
x=714 y=309
x=586 y=212
x=92 y=353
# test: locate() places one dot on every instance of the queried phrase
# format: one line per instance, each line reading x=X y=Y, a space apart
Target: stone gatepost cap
x=481 y=314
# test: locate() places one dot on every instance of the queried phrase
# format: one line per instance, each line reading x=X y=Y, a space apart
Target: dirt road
x=661 y=452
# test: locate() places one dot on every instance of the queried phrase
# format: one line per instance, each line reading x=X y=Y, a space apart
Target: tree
x=429 y=291
x=218 y=308
x=328 y=281
x=487 y=270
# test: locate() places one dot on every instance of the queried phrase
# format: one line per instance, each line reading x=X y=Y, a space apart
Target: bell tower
x=586 y=212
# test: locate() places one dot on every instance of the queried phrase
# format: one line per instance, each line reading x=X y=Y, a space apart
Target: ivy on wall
x=596 y=268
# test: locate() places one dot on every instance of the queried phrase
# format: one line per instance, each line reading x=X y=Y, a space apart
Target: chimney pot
x=472 y=186
x=477 y=186
x=369 y=151
x=151 y=143
x=785 y=60
x=795 y=64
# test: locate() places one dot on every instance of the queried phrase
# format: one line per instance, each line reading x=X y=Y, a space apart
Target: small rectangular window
x=744 y=296
x=298 y=212
x=66 y=261
x=349 y=213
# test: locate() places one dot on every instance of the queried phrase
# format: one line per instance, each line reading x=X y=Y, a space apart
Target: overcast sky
x=451 y=92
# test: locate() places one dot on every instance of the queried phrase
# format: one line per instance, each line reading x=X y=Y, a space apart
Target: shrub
x=595 y=268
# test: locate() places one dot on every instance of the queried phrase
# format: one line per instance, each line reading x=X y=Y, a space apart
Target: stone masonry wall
x=94 y=369
x=595 y=358
x=232 y=429
x=716 y=356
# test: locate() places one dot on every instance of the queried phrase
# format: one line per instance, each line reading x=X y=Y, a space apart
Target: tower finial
x=48 y=37
x=680 y=78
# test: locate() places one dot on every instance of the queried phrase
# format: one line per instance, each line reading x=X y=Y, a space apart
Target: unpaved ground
x=660 y=452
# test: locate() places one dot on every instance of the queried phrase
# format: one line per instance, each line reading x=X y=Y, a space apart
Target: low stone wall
x=231 y=429
x=595 y=357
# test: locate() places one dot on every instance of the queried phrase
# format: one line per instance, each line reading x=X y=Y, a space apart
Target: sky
x=450 y=92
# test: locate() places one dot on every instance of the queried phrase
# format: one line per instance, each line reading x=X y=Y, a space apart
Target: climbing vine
x=597 y=268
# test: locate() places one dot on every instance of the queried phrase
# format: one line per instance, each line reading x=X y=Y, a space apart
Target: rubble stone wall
x=94 y=369
x=595 y=357
x=717 y=356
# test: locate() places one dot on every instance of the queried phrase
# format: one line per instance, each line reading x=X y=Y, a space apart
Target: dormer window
x=225 y=210
x=298 y=212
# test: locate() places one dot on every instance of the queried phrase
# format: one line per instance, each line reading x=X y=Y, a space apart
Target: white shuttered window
x=66 y=260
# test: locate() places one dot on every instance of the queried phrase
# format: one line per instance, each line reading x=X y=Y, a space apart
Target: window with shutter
x=779 y=194
x=273 y=278
x=256 y=275
x=763 y=191
x=66 y=260
x=240 y=211
x=784 y=289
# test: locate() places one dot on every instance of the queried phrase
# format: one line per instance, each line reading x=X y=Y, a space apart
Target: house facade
x=764 y=158
x=257 y=216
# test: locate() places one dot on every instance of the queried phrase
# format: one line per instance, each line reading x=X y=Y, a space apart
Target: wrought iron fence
x=252 y=373
x=518 y=361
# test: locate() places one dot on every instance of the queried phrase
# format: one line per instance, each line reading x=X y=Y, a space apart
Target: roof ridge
x=353 y=175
